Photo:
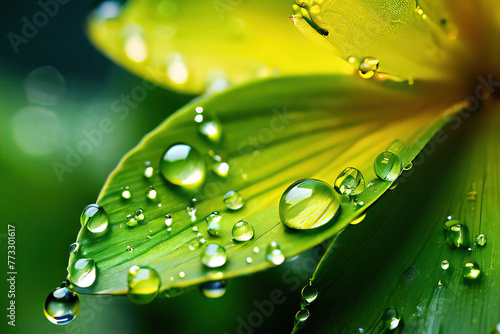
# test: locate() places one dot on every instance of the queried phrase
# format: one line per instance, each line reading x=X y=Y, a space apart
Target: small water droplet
x=308 y=204
x=199 y=110
x=61 y=306
x=457 y=236
x=367 y=67
x=73 y=248
x=213 y=223
x=213 y=256
x=242 y=231
x=191 y=212
x=214 y=289
x=143 y=284
x=445 y=264
x=481 y=240
x=471 y=271
x=95 y=218
x=151 y=192
x=82 y=272
x=351 y=60
x=148 y=172
x=391 y=319
x=302 y=315
x=256 y=249
x=131 y=221
x=139 y=215
x=249 y=260
x=309 y=294
x=387 y=166
x=129 y=249
x=195 y=228
x=349 y=182
x=182 y=274
x=220 y=168
x=168 y=220
x=233 y=200
x=210 y=128
x=126 y=193
x=274 y=253
x=183 y=165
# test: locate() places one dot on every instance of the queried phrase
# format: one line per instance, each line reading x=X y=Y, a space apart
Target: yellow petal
x=191 y=45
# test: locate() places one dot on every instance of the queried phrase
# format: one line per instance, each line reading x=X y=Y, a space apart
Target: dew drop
x=233 y=200
x=126 y=193
x=139 y=215
x=274 y=253
x=61 y=306
x=457 y=236
x=302 y=315
x=182 y=274
x=349 y=182
x=73 y=248
x=351 y=60
x=210 y=128
x=480 y=240
x=213 y=256
x=220 y=168
x=445 y=264
x=249 y=260
x=213 y=223
x=143 y=284
x=391 y=319
x=214 y=289
x=367 y=67
x=148 y=172
x=129 y=249
x=256 y=249
x=82 y=272
x=308 y=204
x=242 y=231
x=387 y=166
x=151 y=192
x=471 y=271
x=309 y=294
x=183 y=165
x=95 y=218
x=191 y=212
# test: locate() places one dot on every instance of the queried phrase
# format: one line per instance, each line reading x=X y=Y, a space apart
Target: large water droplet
x=350 y=182
x=458 y=237
x=95 y=218
x=308 y=204
x=183 y=165
x=387 y=166
x=82 y=272
x=309 y=294
x=213 y=221
x=214 y=289
x=242 y=231
x=274 y=253
x=391 y=319
x=480 y=240
x=233 y=200
x=471 y=271
x=143 y=284
x=61 y=306
x=213 y=256
x=302 y=315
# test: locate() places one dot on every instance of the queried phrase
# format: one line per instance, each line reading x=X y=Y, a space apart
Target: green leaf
x=393 y=259
x=274 y=132
x=190 y=45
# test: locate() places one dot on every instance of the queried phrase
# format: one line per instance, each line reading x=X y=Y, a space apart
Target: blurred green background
x=53 y=90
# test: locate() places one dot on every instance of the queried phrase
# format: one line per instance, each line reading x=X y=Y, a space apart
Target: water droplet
x=143 y=284
x=302 y=315
x=349 y=182
x=471 y=271
x=126 y=193
x=351 y=60
x=358 y=220
x=82 y=272
x=387 y=166
x=73 y=248
x=151 y=192
x=191 y=212
x=149 y=171
x=249 y=260
x=198 y=118
x=242 y=231
x=220 y=168
x=195 y=228
x=308 y=204
x=182 y=274
x=256 y=249
x=481 y=240
x=210 y=128
x=274 y=254
x=95 y=218
x=129 y=249
x=233 y=200
x=458 y=236
x=199 y=109
x=213 y=221
x=139 y=215
x=214 y=289
x=131 y=221
x=367 y=67
x=61 y=306
x=309 y=294
x=391 y=319
x=183 y=165
x=445 y=264
x=213 y=256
